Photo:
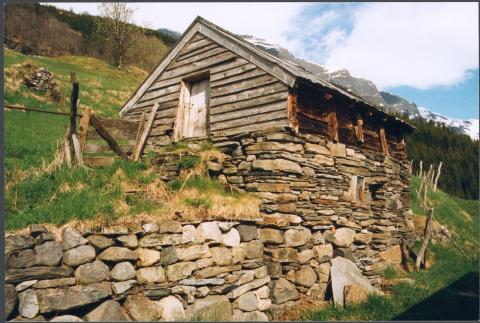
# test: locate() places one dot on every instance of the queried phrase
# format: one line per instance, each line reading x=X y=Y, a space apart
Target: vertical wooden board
x=383 y=141
x=198 y=101
x=333 y=126
x=83 y=128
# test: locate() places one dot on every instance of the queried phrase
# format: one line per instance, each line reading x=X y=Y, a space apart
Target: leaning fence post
x=73 y=115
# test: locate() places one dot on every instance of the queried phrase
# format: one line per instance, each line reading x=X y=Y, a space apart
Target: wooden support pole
x=423 y=249
x=140 y=129
x=83 y=128
x=73 y=119
x=103 y=132
x=143 y=138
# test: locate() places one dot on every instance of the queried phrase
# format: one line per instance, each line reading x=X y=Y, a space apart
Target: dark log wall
x=242 y=96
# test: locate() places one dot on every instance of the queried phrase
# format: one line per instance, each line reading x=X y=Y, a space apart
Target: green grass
x=446 y=291
x=103 y=87
x=74 y=194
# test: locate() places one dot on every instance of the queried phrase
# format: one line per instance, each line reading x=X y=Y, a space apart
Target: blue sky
x=425 y=52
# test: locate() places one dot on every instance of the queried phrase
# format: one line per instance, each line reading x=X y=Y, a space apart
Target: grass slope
x=446 y=291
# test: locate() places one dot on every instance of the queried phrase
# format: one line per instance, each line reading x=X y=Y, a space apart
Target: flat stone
x=62 y=299
x=317 y=238
x=18 y=242
x=295 y=238
x=248 y=287
x=284 y=254
x=260 y=272
x=170 y=226
x=44 y=237
x=323 y=160
x=21 y=259
x=221 y=256
x=247 y=302
x=121 y=287
x=276 y=165
x=106 y=312
x=344 y=272
x=38 y=318
x=117 y=254
x=344 y=237
x=247 y=232
x=71 y=238
x=323 y=252
x=355 y=294
x=160 y=239
x=262 y=292
x=92 y=272
x=114 y=230
x=194 y=252
x=204 y=263
x=150 y=275
x=212 y=308
x=171 y=309
x=122 y=271
x=202 y=282
x=305 y=276
x=214 y=271
x=273 y=236
x=19 y=275
x=231 y=238
x=129 y=241
x=25 y=285
x=209 y=231
x=363 y=238
x=141 y=308
x=11 y=299
x=202 y=291
x=274 y=146
x=28 y=304
x=147 y=257
x=337 y=149
x=190 y=234
x=100 y=242
x=269 y=187
x=282 y=291
x=238 y=255
x=52 y=283
x=180 y=270
x=48 y=254
x=78 y=255
x=323 y=272
x=317 y=149
x=66 y=318
x=168 y=256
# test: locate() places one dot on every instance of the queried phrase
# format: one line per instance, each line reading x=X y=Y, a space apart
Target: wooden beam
x=103 y=132
x=333 y=125
x=292 y=111
x=73 y=118
x=383 y=141
x=359 y=129
x=141 y=126
x=83 y=128
x=143 y=138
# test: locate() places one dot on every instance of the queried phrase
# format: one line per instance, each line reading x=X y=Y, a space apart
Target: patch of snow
x=469 y=126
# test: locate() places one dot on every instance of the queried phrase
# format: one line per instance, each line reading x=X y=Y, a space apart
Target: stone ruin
x=43 y=80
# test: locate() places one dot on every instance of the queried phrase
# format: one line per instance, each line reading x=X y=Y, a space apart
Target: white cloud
x=415 y=44
x=265 y=20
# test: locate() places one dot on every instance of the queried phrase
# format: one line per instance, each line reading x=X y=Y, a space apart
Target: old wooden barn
x=317 y=155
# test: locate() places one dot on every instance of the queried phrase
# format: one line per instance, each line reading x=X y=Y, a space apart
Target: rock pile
x=43 y=80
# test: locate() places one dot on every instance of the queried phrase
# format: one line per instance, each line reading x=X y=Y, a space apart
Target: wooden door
x=195 y=118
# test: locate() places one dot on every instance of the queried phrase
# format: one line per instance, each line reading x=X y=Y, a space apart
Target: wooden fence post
x=143 y=138
x=73 y=116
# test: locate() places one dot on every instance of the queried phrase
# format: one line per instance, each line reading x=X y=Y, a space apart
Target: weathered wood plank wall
x=243 y=97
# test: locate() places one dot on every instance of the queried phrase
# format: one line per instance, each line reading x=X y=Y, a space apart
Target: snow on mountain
x=469 y=126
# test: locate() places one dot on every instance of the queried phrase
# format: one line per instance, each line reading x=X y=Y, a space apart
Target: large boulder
x=323 y=252
x=17 y=242
x=282 y=291
x=48 y=254
x=92 y=272
x=168 y=256
x=141 y=308
x=108 y=311
x=221 y=256
x=21 y=259
x=170 y=309
x=78 y=255
x=247 y=302
x=11 y=299
x=231 y=238
x=344 y=272
x=62 y=299
x=247 y=232
x=194 y=252
x=122 y=271
x=66 y=318
x=129 y=241
x=268 y=235
x=209 y=231
x=100 y=242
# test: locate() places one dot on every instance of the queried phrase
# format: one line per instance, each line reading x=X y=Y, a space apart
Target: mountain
x=170 y=33
x=368 y=91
